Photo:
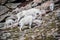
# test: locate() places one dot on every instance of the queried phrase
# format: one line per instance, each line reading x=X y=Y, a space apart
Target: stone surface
x=11 y=0
x=2 y=1
x=37 y=1
x=58 y=13
x=3 y=16
x=1 y=25
x=12 y=5
x=5 y=35
x=3 y=9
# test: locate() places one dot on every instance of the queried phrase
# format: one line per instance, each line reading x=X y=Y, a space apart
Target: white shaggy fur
x=9 y=22
x=32 y=12
x=26 y=20
x=19 y=15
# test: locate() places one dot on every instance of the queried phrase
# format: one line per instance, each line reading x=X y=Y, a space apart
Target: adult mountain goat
x=32 y=12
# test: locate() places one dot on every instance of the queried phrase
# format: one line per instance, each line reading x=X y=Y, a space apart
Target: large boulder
x=3 y=1
x=12 y=5
x=3 y=9
x=11 y=0
x=1 y=25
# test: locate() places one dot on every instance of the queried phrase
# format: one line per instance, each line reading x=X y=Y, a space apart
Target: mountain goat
x=32 y=12
x=26 y=20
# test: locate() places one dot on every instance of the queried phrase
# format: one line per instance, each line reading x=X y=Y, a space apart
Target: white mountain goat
x=26 y=20
x=9 y=22
x=32 y=12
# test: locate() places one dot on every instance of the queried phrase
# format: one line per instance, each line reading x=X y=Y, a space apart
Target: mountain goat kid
x=9 y=22
x=26 y=20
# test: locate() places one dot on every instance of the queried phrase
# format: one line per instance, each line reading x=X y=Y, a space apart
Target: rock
x=45 y=5
x=12 y=5
x=3 y=17
x=3 y=9
x=5 y=36
x=29 y=6
x=1 y=25
x=58 y=13
x=11 y=0
x=2 y=1
x=10 y=39
x=36 y=2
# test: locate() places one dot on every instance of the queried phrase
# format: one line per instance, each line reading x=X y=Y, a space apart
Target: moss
x=50 y=38
x=26 y=38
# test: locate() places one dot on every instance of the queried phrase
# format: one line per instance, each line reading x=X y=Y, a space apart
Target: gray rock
x=35 y=4
x=12 y=5
x=1 y=25
x=3 y=9
x=58 y=13
x=2 y=17
x=5 y=35
x=2 y=1
x=29 y=6
x=11 y=0
x=10 y=39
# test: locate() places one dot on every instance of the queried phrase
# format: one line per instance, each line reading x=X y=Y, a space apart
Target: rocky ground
x=49 y=29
